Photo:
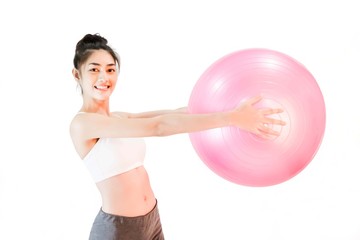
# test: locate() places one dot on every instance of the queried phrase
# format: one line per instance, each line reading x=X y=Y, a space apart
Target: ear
x=76 y=74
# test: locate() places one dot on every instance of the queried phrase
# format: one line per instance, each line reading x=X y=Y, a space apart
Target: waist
x=127 y=194
x=152 y=215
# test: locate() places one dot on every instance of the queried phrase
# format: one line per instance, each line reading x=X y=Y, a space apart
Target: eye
x=93 y=70
x=112 y=70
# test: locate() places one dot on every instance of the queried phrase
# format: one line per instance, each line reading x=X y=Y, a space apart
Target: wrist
x=229 y=118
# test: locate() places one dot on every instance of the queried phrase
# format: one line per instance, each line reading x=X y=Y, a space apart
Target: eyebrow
x=98 y=64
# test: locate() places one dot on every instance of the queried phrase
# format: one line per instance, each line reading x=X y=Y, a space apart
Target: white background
x=46 y=192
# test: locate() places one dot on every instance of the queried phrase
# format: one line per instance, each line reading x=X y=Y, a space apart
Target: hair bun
x=93 y=40
x=88 y=43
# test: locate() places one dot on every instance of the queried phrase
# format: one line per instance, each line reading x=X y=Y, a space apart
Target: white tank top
x=113 y=156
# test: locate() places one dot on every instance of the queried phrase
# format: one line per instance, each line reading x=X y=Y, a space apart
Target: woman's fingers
x=268 y=131
x=256 y=120
x=269 y=111
x=275 y=121
x=254 y=100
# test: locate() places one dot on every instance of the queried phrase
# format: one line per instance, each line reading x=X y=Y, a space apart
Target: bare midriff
x=128 y=194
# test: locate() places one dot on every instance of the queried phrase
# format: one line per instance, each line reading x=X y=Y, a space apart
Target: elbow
x=161 y=130
x=164 y=127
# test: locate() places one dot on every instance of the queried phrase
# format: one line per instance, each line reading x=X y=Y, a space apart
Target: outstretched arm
x=246 y=117
x=151 y=113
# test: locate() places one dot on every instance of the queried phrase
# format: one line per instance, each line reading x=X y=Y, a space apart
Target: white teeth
x=102 y=87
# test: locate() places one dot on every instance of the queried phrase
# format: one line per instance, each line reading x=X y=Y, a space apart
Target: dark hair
x=88 y=44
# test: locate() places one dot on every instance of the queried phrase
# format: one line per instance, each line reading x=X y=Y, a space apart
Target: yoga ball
x=244 y=158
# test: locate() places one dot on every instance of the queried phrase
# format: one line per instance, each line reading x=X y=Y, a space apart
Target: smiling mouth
x=105 y=87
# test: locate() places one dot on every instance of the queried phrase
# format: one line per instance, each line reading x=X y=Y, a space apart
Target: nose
x=102 y=75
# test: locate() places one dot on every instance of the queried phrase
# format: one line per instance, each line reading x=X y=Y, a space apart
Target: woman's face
x=98 y=75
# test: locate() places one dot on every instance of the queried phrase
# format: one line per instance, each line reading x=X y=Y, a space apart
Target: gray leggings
x=113 y=227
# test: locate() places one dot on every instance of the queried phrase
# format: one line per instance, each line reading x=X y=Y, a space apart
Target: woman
x=112 y=147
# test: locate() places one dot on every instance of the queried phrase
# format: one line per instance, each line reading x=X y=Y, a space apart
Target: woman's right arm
x=246 y=117
x=182 y=110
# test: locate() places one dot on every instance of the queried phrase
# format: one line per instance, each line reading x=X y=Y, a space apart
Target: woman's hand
x=255 y=120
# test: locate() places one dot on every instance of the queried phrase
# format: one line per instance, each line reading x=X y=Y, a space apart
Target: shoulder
x=80 y=121
x=83 y=123
x=78 y=133
x=76 y=124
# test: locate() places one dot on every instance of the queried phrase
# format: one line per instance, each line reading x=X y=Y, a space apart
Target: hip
x=111 y=226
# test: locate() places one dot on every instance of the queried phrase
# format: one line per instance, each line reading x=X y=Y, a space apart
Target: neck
x=96 y=106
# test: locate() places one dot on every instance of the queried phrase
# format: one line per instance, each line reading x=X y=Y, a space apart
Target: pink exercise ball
x=239 y=156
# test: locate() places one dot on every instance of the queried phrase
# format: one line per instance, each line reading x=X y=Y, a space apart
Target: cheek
x=114 y=80
x=88 y=80
x=86 y=85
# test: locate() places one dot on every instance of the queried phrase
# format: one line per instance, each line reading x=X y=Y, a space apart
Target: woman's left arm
x=152 y=113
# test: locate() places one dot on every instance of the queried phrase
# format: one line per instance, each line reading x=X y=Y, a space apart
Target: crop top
x=113 y=156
